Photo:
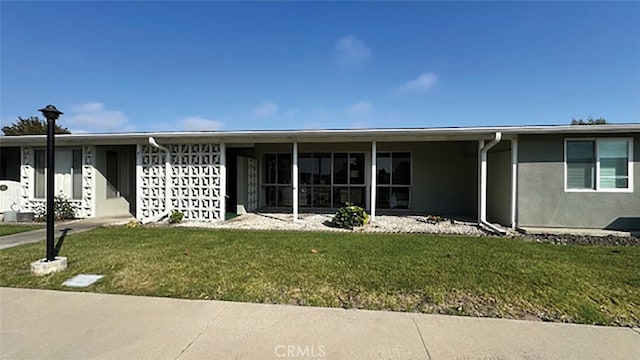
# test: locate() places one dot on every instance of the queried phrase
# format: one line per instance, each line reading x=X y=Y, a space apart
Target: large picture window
x=393 y=180
x=277 y=180
x=349 y=179
x=315 y=180
x=326 y=180
x=598 y=164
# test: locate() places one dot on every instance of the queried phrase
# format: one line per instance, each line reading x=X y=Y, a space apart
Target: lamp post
x=51 y=114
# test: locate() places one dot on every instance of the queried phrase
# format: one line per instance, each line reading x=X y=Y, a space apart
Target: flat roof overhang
x=320 y=136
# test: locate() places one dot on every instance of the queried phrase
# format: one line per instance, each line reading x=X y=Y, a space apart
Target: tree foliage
x=589 y=121
x=31 y=126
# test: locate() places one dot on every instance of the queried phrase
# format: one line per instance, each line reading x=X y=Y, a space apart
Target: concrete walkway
x=73 y=227
x=72 y=325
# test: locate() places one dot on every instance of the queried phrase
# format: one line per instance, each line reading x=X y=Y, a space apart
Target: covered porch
x=462 y=178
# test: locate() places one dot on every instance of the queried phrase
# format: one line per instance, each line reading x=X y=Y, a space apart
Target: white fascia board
x=290 y=136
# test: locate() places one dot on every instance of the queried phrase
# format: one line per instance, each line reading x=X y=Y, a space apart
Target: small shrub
x=350 y=216
x=63 y=209
x=176 y=217
x=434 y=219
x=132 y=224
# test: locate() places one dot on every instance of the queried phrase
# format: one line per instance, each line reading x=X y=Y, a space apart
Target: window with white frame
x=68 y=173
x=598 y=164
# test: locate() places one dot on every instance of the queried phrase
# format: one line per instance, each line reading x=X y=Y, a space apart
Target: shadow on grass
x=58 y=245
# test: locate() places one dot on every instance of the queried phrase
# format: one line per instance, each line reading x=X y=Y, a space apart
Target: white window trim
x=70 y=198
x=598 y=189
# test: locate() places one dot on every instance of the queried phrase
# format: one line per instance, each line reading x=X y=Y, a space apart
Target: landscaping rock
x=319 y=222
x=569 y=239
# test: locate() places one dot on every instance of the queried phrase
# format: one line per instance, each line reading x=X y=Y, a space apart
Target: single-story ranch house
x=574 y=176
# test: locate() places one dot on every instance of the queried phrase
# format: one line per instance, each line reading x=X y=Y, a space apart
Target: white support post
x=374 y=174
x=294 y=181
x=223 y=181
x=514 y=182
x=482 y=182
x=139 y=181
x=167 y=182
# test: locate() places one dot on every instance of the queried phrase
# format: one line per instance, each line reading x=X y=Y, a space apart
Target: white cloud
x=200 y=123
x=265 y=109
x=95 y=117
x=352 y=51
x=359 y=108
x=425 y=81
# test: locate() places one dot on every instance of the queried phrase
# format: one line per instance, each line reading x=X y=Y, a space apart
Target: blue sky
x=169 y=66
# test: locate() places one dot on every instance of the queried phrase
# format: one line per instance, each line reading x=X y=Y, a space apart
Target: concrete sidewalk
x=73 y=227
x=71 y=325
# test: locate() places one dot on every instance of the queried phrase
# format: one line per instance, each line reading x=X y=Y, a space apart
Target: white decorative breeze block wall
x=26 y=178
x=194 y=184
x=88 y=206
x=252 y=183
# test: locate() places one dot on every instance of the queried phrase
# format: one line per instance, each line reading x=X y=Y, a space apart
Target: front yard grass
x=477 y=276
x=14 y=229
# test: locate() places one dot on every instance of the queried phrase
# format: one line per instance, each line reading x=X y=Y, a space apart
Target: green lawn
x=483 y=276
x=14 y=229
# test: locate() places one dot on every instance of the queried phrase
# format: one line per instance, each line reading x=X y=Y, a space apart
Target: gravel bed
x=320 y=222
x=568 y=239
x=399 y=224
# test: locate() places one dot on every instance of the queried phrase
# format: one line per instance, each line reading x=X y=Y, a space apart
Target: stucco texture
x=543 y=202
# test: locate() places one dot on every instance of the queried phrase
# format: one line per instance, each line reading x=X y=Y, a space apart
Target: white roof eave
x=351 y=135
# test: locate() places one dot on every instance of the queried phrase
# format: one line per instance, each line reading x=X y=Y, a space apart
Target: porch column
x=374 y=160
x=294 y=181
x=514 y=181
x=482 y=182
x=223 y=181
x=139 y=181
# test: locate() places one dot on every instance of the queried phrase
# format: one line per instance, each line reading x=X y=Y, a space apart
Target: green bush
x=63 y=209
x=350 y=216
x=176 y=217
x=434 y=219
x=132 y=224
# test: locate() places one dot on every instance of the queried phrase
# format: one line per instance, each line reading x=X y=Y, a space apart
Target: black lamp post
x=51 y=114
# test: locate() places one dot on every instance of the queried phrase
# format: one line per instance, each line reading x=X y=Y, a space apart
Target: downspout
x=514 y=183
x=482 y=211
x=167 y=185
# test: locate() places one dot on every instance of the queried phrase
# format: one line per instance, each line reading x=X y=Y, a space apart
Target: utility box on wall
x=10 y=196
